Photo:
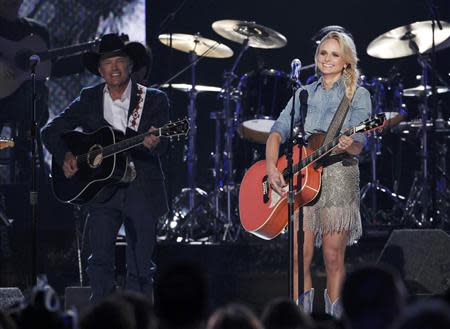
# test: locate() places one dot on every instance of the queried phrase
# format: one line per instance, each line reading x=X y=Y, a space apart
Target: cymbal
x=419 y=90
x=258 y=36
x=185 y=87
x=394 y=118
x=395 y=43
x=195 y=43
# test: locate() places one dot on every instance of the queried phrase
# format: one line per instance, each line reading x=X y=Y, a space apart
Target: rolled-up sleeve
x=282 y=124
x=360 y=110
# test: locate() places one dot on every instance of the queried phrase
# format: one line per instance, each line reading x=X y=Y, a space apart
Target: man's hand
x=150 y=141
x=70 y=165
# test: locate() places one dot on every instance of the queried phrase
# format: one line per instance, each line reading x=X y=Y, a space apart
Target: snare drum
x=264 y=95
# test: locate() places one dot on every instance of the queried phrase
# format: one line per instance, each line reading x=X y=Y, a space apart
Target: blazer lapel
x=133 y=98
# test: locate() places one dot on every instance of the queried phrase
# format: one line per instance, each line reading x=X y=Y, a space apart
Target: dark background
x=298 y=21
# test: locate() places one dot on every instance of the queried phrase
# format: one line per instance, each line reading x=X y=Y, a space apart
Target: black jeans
x=129 y=206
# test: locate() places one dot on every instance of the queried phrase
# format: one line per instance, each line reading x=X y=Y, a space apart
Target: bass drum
x=263 y=95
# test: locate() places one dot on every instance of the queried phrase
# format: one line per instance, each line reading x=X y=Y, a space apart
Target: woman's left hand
x=345 y=142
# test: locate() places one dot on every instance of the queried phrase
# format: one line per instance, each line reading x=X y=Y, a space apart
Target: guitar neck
x=129 y=143
x=319 y=153
x=70 y=50
x=64 y=51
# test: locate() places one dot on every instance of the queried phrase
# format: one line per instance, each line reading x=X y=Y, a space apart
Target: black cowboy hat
x=113 y=45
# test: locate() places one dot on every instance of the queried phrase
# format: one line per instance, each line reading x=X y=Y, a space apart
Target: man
x=15 y=109
x=139 y=203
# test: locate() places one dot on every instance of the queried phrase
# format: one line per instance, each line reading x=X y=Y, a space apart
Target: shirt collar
x=340 y=82
x=126 y=94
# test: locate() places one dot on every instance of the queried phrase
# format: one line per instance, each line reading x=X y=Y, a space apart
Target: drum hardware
x=419 y=205
x=248 y=34
x=182 y=222
x=420 y=89
x=443 y=186
x=196 y=44
x=187 y=41
x=396 y=43
x=264 y=94
x=417 y=39
x=255 y=35
x=186 y=87
x=396 y=113
x=223 y=167
x=426 y=200
x=386 y=98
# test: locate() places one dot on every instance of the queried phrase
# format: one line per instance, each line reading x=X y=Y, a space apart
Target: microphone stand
x=293 y=232
x=34 y=60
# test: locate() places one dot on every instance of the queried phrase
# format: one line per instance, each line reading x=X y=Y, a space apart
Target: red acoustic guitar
x=263 y=211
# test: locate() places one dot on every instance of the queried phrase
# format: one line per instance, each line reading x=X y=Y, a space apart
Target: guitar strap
x=133 y=123
x=338 y=120
x=135 y=117
x=333 y=131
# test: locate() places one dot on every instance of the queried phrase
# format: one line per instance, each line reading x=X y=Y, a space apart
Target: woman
x=332 y=219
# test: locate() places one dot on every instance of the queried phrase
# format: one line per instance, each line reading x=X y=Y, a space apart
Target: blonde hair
x=348 y=50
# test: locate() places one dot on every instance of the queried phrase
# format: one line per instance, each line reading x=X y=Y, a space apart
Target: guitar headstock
x=175 y=129
x=6 y=143
x=374 y=122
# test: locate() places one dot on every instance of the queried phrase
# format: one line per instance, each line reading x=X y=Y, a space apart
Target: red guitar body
x=267 y=217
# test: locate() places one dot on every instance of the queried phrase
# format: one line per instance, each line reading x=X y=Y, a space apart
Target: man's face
x=115 y=70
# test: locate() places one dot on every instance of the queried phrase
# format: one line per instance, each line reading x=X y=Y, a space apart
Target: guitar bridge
x=265 y=187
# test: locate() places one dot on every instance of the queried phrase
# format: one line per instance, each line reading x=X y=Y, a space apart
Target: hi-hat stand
x=374 y=142
x=419 y=205
x=223 y=173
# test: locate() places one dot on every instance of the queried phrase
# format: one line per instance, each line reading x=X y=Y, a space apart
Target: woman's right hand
x=275 y=179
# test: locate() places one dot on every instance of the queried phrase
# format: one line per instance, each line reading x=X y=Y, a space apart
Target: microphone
x=296 y=64
x=34 y=61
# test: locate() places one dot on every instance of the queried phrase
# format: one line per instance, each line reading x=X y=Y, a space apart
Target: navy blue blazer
x=86 y=112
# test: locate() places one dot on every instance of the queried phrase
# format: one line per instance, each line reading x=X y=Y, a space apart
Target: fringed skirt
x=336 y=208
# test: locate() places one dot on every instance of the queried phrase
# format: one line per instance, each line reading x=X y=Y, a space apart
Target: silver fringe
x=336 y=209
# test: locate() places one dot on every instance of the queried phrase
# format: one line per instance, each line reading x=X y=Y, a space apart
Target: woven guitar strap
x=338 y=120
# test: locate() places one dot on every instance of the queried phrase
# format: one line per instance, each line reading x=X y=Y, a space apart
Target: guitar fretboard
x=126 y=144
x=118 y=147
x=316 y=155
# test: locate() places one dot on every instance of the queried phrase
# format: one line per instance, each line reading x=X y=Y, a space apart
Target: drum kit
x=425 y=205
x=251 y=103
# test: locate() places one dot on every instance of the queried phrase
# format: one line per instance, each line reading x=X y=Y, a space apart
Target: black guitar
x=102 y=164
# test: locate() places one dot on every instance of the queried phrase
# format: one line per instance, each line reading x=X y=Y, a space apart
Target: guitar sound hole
x=95 y=156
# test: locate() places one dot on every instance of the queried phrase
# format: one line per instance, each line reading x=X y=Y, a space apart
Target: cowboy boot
x=333 y=309
x=306 y=301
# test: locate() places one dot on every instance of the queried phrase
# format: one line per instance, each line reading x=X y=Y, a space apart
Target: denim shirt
x=322 y=104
